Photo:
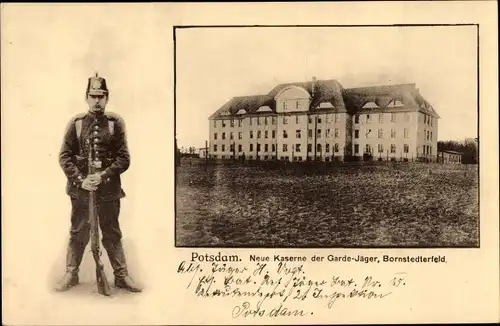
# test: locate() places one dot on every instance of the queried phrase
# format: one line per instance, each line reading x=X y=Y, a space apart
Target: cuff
x=78 y=180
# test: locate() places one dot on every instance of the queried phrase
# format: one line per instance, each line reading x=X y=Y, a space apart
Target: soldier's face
x=97 y=103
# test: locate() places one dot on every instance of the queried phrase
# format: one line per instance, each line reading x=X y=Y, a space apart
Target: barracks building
x=321 y=120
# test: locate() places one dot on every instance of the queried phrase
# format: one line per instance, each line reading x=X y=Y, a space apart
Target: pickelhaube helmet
x=97 y=86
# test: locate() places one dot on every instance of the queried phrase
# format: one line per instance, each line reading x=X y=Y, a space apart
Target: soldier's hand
x=88 y=184
x=95 y=179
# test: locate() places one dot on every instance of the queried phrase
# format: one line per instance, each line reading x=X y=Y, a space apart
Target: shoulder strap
x=111 y=127
x=78 y=125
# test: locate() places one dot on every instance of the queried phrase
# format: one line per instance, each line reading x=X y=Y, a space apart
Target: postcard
x=250 y=164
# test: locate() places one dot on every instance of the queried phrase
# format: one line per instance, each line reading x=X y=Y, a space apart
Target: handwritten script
x=265 y=289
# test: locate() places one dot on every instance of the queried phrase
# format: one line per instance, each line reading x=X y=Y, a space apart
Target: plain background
x=49 y=51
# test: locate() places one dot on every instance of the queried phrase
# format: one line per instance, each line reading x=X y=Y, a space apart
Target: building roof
x=352 y=100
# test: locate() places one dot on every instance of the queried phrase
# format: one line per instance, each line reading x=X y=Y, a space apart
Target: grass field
x=394 y=204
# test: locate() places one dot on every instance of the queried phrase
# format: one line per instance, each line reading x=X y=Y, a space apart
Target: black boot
x=117 y=259
x=127 y=283
x=74 y=257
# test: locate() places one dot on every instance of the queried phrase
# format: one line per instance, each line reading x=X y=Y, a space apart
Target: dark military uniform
x=106 y=133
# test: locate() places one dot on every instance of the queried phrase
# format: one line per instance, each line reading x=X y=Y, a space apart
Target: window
x=336 y=146
x=356 y=133
x=251 y=121
x=258 y=134
x=285 y=134
x=407 y=117
x=231 y=135
x=336 y=132
x=215 y=136
x=297 y=134
x=319 y=133
x=285 y=120
x=368 y=133
x=231 y=147
x=273 y=120
x=240 y=148
x=406 y=148
x=368 y=118
x=318 y=148
x=258 y=147
x=393 y=133
x=381 y=118
x=240 y=135
x=336 y=117
x=215 y=123
x=258 y=121
x=251 y=134
x=266 y=148
x=309 y=148
x=297 y=119
x=393 y=148
x=240 y=122
x=356 y=118
x=356 y=148
x=223 y=148
x=328 y=118
x=393 y=117
x=223 y=123
x=431 y=136
x=265 y=121
x=310 y=133
x=381 y=133
x=232 y=122
x=273 y=134
x=327 y=148
x=425 y=119
x=431 y=119
x=319 y=120
x=406 y=133
x=309 y=120
x=368 y=149
x=273 y=147
x=285 y=147
x=285 y=106
x=297 y=104
x=223 y=135
x=380 y=148
x=215 y=148
x=297 y=148
x=266 y=134
x=328 y=133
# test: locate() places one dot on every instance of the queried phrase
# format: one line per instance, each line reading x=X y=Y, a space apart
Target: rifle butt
x=102 y=282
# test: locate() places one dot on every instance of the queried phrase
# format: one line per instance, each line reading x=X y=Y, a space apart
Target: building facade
x=320 y=120
x=449 y=157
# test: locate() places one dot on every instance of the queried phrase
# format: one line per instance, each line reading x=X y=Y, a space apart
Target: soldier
x=107 y=132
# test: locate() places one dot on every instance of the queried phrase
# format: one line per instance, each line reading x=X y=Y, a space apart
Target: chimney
x=313 y=86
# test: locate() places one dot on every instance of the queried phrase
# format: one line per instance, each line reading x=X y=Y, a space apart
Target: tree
x=177 y=154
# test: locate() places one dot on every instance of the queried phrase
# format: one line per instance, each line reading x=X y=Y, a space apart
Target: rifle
x=102 y=281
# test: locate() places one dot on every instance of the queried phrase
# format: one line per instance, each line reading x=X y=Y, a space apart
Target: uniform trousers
x=108 y=212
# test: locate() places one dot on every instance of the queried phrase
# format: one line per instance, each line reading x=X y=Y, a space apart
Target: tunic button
x=96 y=132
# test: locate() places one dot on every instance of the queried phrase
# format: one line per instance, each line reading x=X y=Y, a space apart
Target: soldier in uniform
x=106 y=132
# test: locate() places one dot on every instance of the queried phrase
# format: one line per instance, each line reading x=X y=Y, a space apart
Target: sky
x=215 y=64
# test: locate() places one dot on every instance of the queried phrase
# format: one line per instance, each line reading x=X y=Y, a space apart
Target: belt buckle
x=98 y=164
